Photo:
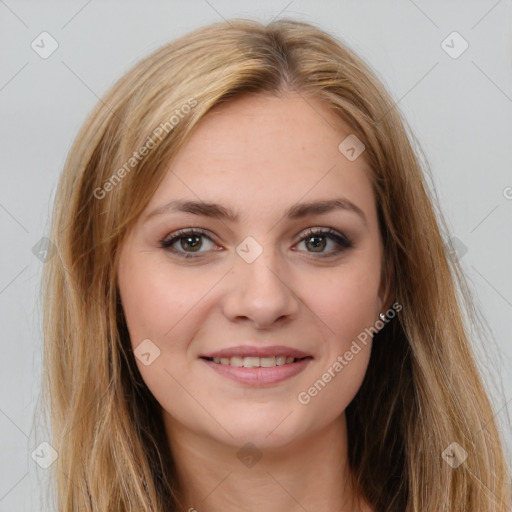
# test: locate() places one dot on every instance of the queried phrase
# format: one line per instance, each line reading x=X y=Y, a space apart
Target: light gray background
x=460 y=109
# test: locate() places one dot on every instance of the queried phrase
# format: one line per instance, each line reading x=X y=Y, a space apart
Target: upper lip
x=258 y=351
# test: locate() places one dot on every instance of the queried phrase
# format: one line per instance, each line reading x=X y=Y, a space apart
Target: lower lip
x=259 y=376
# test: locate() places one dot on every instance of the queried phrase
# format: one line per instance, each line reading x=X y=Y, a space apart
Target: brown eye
x=190 y=242
x=316 y=240
x=316 y=243
x=193 y=242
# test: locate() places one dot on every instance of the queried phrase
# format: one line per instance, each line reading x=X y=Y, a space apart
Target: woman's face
x=286 y=264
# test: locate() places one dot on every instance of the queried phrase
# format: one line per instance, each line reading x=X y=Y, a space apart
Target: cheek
x=158 y=307
x=167 y=306
x=155 y=301
x=346 y=300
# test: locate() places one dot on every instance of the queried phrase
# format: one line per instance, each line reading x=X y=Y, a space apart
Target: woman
x=253 y=307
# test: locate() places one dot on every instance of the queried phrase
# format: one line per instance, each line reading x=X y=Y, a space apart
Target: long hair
x=422 y=391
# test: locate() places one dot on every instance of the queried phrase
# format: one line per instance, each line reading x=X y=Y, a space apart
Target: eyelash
x=342 y=241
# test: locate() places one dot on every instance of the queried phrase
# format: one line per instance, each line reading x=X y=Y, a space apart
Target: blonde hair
x=422 y=390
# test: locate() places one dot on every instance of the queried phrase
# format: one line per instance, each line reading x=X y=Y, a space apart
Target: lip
x=259 y=377
x=258 y=351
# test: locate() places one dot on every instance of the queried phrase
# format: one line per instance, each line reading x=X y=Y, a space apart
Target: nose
x=260 y=292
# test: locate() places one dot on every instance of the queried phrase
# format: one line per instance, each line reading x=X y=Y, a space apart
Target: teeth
x=267 y=362
x=280 y=360
x=251 y=362
x=255 y=362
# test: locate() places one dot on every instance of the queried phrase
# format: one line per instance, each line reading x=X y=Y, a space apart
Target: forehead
x=270 y=127
x=267 y=152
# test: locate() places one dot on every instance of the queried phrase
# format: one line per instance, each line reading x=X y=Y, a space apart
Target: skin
x=258 y=155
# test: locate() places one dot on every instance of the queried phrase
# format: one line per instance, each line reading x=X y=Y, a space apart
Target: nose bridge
x=263 y=269
x=260 y=291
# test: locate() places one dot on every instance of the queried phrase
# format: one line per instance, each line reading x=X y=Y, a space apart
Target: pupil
x=192 y=245
x=317 y=245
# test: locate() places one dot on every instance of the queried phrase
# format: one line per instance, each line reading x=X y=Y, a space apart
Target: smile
x=255 y=362
x=257 y=371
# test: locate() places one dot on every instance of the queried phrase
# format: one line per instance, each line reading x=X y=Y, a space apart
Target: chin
x=274 y=428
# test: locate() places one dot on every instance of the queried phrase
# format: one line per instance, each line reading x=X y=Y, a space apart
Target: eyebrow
x=298 y=211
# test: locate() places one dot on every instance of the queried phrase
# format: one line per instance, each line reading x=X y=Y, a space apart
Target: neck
x=308 y=474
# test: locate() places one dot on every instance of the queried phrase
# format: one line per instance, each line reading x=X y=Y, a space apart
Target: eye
x=189 y=242
x=317 y=240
